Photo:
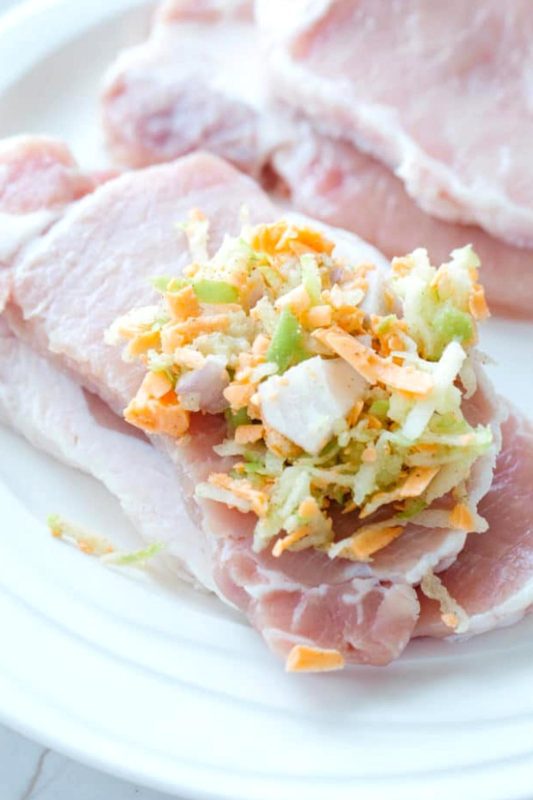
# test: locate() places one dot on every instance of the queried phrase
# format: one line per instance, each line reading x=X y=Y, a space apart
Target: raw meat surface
x=39 y=172
x=58 y=416
x=97 y=261
x=333 y=181
x=441 y=92
x=196 y=83
x=93 y=246
x=93 y=265
x=162 y=100
x=38 y=179
x=493 y=576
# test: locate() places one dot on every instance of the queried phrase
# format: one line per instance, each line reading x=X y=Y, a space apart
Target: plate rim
x=21 y=24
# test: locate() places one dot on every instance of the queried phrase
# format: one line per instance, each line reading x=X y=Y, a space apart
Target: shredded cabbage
x=261 y=304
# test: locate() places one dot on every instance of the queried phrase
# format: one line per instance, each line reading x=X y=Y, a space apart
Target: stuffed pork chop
x=341 y=589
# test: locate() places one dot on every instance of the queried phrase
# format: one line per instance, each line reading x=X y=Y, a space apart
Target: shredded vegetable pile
x=330 y=409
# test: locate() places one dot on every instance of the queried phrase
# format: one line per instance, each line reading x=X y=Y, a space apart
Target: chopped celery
x=215 y=291
x=412 y=508
x=287 y=342
x=380 y=409
x=450 y=324
x=448 y=424
x=311 y=278
x=386 y=324
x=166 y=283
x=137 y=558
x=234 y=419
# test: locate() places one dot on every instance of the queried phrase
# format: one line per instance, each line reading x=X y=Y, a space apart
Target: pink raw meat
x=39 y=172
x=60 y=417
x=194 y=84
x=333 y=181
x=159 y=103
x=441 y=92
x=95 y=264
x=492 y=577
x=94 y=246
x=38 y=179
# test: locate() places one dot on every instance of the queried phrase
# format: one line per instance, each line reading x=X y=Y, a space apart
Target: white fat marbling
x=31 y=772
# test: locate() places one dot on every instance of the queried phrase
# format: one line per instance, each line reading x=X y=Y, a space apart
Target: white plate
x=160 y=684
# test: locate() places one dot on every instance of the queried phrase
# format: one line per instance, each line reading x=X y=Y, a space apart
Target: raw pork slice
x=94 y=264
x=38 y=179
x=61 y=418
x=101 y=255
x=333 y=181
x=196 y=83
x=55 y=414
x=441 y=92
x=492 y=577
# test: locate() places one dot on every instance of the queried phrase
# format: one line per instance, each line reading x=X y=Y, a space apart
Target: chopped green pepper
x=215 y=291
x=287 y=347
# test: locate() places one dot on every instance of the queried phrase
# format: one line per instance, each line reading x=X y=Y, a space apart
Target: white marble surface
x=29 y=771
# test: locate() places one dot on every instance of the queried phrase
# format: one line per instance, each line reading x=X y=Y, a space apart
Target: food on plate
x=184 y=89
x=194 y=85
x=221 y=284
x=330 y=409
x=334 y=181
x=491 y=579
x=439 y=92
x=75 y=426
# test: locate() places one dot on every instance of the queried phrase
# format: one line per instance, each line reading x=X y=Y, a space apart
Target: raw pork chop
x=160 y=103
x=58 y=416
x=92 y=255
x=333 y=181
x=38 y=178
x=492 y=577
x=94 y=264
x=61 y=418
x=441 y=92
x=195 y=84
x=93 y=247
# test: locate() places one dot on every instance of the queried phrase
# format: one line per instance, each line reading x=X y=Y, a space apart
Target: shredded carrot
x=247 y=434
x=368 y=540
x=239 y=395
x=371 y=366
x=477 y=303
x=297 y=300
x=183 y=304
x=318 y=317
x=155 y=384
x=313 y=659
x=158 y=416
x=284 y=237
x=414 y=485
x=308 y=508
x=355 y=413
x=142 y=342
x=418 y=481
x=462 y=518
x=195 y=326
x=280 y=445
x=282 y=544
x=260 y=345
x=242 y=489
